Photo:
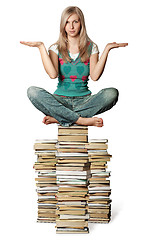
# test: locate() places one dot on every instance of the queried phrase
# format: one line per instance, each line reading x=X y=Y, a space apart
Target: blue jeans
x=67 y=110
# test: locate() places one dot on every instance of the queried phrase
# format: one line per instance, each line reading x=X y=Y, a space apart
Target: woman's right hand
x=32 y=44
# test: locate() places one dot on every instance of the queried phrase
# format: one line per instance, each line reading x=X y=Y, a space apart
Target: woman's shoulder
x=94 y=48
x=54 y=48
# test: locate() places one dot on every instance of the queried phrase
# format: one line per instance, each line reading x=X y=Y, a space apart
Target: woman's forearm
x=100 y=65
x=47 y=63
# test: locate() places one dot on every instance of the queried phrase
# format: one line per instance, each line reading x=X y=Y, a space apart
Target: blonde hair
x=84 y=40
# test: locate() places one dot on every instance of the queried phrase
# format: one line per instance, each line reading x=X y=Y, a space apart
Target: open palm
x=32 y=44
x=116 y=45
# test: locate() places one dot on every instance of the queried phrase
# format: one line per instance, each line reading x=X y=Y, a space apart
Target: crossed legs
x=58 y=110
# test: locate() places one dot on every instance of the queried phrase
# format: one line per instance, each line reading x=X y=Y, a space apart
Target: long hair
x=84 y=40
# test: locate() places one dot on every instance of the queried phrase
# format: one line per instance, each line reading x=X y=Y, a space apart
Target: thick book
x=71 y=131
x=73 y=138
x=98 y=146
x=60 y=155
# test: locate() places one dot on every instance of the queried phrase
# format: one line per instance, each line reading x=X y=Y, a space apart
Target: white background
x=125 y=126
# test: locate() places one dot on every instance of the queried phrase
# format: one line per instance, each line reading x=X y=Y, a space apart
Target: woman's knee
x=112 y=94
x=33 y=92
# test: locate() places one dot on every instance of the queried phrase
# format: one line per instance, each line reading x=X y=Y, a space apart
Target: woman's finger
x=25 y=43
x=122 y=44
x=31 y=44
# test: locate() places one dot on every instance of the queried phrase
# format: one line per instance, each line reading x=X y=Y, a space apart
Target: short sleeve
x=94 y=49
x=53 y=48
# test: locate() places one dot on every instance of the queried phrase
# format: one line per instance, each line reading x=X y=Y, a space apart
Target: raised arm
x=50 y=62
x=97 y=66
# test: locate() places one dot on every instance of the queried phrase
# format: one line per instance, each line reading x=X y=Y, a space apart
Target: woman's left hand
x=109 y=46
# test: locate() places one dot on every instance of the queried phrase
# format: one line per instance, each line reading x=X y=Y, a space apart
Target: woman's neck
x=73 y=44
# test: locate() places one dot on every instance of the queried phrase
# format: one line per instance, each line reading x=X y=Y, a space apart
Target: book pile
x=73 y=185
x=45 y=167
x=99 y=203
x=72 y=171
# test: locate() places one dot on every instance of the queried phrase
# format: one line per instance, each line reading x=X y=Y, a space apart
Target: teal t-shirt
x=73 y=77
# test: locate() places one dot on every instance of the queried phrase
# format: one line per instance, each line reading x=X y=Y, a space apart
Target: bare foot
x=48 y=120
x=94 y=121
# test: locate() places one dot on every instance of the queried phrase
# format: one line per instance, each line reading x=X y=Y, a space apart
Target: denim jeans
x=67 y=110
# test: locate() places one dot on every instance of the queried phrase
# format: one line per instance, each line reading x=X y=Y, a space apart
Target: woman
x=72 y=59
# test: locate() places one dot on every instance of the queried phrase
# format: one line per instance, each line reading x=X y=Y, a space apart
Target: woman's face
x=73 y=26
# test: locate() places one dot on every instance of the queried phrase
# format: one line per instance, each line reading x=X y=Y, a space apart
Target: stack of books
x=46 y=187
x=72 y=182
x=72 y=171
x=99 y=203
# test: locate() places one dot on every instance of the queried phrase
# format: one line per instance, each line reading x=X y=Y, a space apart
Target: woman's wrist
x=41 y=45
x=108 y=47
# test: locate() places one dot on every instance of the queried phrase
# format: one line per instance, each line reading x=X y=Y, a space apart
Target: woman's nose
x=71 y=26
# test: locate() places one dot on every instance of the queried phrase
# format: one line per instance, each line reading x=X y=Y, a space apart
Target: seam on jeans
x=81 y=104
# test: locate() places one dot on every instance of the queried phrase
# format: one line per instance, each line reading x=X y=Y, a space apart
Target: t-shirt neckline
x=74 y=54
